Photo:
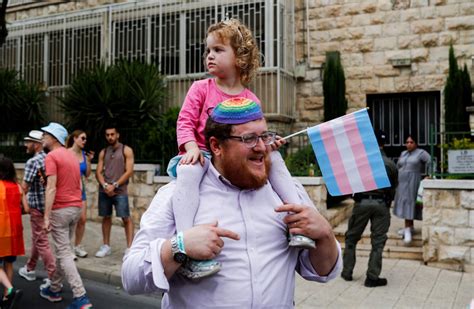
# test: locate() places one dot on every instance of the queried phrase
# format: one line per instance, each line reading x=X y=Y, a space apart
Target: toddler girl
x=232 y=57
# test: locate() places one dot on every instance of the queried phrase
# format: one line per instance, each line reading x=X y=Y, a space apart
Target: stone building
x=394 y=52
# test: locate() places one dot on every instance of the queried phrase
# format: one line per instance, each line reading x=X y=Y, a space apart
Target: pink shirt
x=62 y=163
x=202 y=96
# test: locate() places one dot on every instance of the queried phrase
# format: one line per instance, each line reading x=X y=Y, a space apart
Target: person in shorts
x=114 y=169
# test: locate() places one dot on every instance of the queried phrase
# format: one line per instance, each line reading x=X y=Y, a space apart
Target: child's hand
x=278 y=142
x=192 y=156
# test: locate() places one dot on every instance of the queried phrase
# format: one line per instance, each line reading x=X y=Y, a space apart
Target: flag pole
x=303 y=131
x=294 y=134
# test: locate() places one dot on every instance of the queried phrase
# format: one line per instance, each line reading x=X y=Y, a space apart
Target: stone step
x=338 y=214
x=392 y=240
x=392 y=252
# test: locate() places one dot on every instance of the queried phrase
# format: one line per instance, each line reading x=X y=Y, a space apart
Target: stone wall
x=144 y=185
x=369 y=34
x=448 y=224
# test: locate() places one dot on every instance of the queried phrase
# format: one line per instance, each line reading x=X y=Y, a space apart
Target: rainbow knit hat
x=236 y=111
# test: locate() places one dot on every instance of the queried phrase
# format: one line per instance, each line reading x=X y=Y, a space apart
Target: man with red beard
x=241 y=223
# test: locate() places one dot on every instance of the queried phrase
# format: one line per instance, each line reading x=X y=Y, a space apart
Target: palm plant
x=22 y=105
x=127 y=95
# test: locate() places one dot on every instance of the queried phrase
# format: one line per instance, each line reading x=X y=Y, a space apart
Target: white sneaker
x=80 y=252
x=47 y=284
x=103 y=251
x=407 y=236
x=28 y=275
x=401 y=232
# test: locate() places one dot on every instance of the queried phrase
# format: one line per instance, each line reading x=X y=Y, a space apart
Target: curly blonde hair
x=242 y=41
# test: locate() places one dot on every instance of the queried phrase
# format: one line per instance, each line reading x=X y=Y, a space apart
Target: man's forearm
x=169 y=265
x=49 y=200
x=325 y=256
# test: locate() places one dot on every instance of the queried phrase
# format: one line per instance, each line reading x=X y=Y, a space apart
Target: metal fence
x=440 y=144
x=52 y=50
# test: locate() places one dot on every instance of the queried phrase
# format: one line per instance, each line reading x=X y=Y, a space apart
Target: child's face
x=220 y=60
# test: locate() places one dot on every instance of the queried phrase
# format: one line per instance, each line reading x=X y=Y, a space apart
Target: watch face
x=180 y=257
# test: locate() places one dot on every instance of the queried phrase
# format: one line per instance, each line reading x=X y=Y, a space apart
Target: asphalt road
x=101 y=295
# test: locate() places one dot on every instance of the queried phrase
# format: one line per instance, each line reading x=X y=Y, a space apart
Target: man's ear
x=215 y=145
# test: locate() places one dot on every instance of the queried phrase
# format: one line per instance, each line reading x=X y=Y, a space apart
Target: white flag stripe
x=348 y=157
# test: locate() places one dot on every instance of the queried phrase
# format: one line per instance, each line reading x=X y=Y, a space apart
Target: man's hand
x=308 y=221
x=110 y=190
x=46 y=225
x=305 y=221
x=204 y=242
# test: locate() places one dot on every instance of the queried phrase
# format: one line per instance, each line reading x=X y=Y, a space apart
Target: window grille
x=169 y=33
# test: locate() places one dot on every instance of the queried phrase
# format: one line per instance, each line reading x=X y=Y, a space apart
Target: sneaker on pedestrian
x=196 y=269
x=407 y=236
x=401 y=232
x=47 y=284
x=11 y=300
x=81 y=302
x=53 y=297
x=80 y=252
x=103 y=251
x=28 y=275
x=372 y=283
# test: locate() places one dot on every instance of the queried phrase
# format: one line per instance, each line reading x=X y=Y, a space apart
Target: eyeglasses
x=251 y=140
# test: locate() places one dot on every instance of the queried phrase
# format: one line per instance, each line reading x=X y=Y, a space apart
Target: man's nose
x=260 y=146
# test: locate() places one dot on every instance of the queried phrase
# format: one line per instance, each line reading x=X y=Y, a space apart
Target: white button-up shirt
x=258 y=271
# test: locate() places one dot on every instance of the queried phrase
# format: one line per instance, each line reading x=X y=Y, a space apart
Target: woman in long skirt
x=411 y=165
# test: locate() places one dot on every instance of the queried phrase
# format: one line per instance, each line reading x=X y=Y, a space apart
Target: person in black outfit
x=374 y=206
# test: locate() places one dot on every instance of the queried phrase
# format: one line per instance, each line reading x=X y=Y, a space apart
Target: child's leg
x=186 y=194
x=4 y=280
x=281 y=179
x=283 y=184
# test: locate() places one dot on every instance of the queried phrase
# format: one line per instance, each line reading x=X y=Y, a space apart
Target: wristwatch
x=105 y=185
x=178 y=255
x=116 y=185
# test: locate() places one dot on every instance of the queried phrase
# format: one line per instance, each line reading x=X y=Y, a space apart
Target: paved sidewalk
x=410 y=283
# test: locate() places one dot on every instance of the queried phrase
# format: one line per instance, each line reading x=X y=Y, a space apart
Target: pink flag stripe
x=361 y=157
x=335 y=158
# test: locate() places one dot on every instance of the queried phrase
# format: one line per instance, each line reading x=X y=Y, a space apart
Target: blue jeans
x=120 y=202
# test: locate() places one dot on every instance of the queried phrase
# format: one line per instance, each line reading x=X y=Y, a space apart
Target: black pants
x=378 y=213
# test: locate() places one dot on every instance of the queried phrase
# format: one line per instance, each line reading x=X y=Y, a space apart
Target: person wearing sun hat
x=63 y=202
x=35 y=192
x=241 y=223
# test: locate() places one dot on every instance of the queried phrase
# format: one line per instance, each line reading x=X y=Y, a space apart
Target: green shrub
x=22 y=105
x=457 y=96
x=334 y=87
x=128 y=95
x=301 y=162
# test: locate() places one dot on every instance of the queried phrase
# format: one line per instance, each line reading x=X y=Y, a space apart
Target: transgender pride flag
x=348 y=154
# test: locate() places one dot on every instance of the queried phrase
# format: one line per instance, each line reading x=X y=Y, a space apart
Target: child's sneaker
x=28 y=275
x=196 y=269
x=301 y=241
x=53 y=297
x=82 y=302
